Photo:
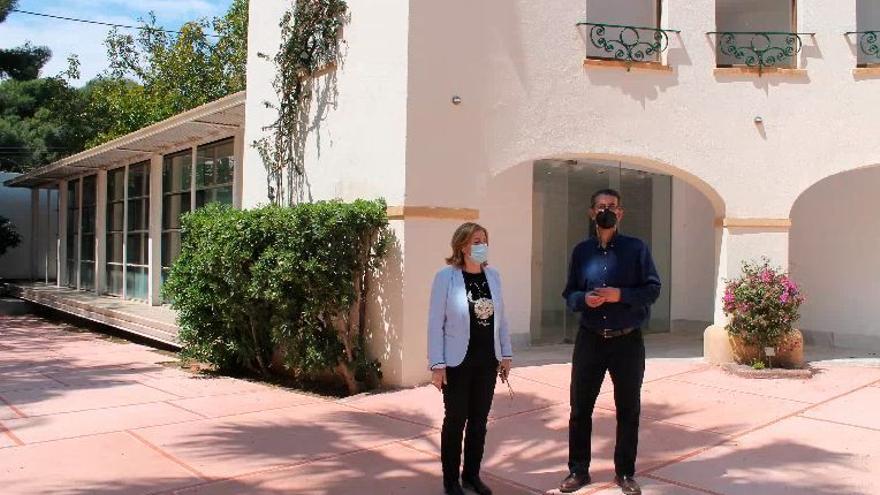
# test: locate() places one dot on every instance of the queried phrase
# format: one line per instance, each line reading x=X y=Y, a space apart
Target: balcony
x=759 y=49
x=626 y=44
x=869 y=47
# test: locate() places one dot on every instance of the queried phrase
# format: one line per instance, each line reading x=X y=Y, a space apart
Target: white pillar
x=238 y=172
x=741 y=240
x=35 y=233
x=155 y=242
x=101 y=233
x=62 y=234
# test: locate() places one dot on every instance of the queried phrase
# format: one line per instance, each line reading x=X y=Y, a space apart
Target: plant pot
x=789 y=351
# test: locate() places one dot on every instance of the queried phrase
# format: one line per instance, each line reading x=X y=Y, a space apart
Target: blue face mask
x=480 y=253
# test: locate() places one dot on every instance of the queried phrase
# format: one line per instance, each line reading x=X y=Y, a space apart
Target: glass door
x=560 y=209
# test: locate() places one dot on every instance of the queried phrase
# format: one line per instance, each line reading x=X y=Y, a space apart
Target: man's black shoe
x=453 y=488
x=475 y=484
x=574 y=482
x=628 y=485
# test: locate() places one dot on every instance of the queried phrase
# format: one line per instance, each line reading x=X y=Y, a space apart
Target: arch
x=832 y=256
x=824 y=180
x=648 y=165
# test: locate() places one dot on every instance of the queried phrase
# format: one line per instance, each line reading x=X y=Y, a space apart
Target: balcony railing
x=869 y=45
x=760 y=49
x=629 y=44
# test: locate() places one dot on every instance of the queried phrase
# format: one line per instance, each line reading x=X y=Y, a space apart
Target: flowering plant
x=762 y=305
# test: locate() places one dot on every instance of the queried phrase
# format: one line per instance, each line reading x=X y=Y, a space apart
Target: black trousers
x=624 y=358
x=467 y=398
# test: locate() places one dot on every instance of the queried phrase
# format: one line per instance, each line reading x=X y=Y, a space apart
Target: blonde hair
x=460 y=239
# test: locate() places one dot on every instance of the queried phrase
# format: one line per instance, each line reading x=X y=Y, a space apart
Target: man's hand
x=504 y=369
x=438 y=378
x=609 y=294
x=594 y=299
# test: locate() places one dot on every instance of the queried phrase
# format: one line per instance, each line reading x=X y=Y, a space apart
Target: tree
x=9 y=238
x=42 y=120
x=174 y=72
x=24 y=62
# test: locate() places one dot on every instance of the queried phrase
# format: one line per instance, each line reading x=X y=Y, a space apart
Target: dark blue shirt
x=625 y=264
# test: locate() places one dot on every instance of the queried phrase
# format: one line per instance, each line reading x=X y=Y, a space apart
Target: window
x=756 y=33
x=618 y=41
x=72 y=233
x=176 y=200
x=87 y=235
x=137 y=261
x=868 y=27
x=115 y=230
x=214 y=173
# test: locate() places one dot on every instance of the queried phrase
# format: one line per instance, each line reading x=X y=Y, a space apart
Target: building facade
x=735 y=129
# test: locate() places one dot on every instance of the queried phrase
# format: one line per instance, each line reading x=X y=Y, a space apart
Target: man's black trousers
x=624 y=358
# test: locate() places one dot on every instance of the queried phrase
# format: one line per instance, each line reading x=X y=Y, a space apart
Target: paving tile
x=5 y=439
x=794 y=456
x=390 y=470
x=114 y=463
x=68 y=425
x=183 y=384
x=25 y=380
x=707 y=408
x=826 y=383
x=532 y=449
x=424 y=405
x=649 y=487
x=235 y=404
x=242 y=444
x=39 y=402
x=859 y=408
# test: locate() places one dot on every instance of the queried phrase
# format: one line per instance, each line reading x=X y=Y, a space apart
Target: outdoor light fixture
x=759 y=120
x=456 y=100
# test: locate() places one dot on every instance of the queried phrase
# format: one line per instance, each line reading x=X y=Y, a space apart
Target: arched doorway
x=675 y=218
x=833 y=255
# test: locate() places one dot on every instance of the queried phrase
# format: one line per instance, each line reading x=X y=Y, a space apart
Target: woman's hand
x=438 y=378
x=504 y=368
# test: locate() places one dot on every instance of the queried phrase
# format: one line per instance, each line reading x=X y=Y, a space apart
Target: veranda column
x=62 y=234
x=742 y=239
x=238 y=171
x=155 y=224
x=35 y=233
x=101 y=234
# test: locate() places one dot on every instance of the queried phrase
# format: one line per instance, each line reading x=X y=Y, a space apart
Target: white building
x=733 y=138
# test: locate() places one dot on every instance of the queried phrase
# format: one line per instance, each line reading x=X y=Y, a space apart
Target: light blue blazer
x=449 y=319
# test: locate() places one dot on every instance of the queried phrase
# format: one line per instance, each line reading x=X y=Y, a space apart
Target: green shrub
x=250 y=283
x=9 y=237
x=762 y=305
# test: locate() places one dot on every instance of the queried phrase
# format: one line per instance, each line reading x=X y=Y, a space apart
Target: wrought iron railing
x=869 y=45
x=627 y=43
x=761 y=49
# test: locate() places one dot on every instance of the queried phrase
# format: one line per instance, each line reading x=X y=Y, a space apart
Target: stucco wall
x=834 y=257
x=15 y=204
x=525 y=95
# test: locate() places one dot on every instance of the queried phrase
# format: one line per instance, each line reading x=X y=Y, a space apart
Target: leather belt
x=609 y=333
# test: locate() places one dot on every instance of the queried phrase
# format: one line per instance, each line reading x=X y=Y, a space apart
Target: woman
x=467 y=338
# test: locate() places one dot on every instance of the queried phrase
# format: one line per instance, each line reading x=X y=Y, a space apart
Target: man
x=612 y=282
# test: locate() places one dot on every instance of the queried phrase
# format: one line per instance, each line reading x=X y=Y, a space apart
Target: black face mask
x=606 y=219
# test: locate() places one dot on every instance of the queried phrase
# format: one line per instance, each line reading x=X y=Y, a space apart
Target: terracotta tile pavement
x=82 y=415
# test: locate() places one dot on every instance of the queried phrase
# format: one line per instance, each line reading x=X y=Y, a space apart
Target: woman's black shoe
x=476 y=484
x=453 y=488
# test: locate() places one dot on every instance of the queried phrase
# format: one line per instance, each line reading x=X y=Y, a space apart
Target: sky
x=87 y=41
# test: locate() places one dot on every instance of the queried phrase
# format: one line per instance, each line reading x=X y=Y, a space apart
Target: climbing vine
x=311 y=45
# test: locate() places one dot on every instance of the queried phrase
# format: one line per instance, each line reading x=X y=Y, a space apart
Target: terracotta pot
x=789 y=351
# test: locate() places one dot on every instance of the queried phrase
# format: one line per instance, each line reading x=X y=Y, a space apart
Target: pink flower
x=784 y=297
x=766 y=276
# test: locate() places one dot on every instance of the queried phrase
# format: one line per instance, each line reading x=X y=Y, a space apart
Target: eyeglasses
x=606 y=207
